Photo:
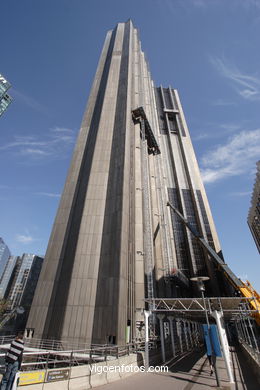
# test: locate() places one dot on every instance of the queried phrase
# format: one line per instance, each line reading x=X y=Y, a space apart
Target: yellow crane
x=246 y=290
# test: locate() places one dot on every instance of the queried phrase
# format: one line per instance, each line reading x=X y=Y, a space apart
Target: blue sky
x=208 y=49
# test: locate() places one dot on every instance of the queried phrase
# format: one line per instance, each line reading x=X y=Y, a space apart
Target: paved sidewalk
x=190 y=373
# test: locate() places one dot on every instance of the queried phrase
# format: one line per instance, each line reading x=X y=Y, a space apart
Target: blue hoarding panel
x=214 y=342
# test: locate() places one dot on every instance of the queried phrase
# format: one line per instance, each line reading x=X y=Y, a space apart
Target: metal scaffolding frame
x=232 y=307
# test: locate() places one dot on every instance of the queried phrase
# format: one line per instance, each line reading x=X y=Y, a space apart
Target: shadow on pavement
x=186 y=363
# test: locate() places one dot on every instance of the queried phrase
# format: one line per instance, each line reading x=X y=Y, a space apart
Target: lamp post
x=200 y=280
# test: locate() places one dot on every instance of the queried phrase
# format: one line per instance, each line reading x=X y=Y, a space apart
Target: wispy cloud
x=34 y=152
x=241 y=194
x=61 y=130
x=236 y=157
x=230 y=127
x=189 y=5
x=48 y=194
x=223 y=102
x=247 y=86
x=215 y=131
x=52 y=145
x=24 y=239
x=30 y=102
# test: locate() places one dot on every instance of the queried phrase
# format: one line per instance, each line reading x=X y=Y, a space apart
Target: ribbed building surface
x=114 y=240
x=253 y=219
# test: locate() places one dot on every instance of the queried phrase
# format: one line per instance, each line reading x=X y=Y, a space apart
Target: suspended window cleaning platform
x=139 y=117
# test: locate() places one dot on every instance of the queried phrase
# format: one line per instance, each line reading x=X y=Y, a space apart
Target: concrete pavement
x=190 y=373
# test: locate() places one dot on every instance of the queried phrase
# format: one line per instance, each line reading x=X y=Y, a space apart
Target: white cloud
x=201 y=136
x=223 y=102
x=61 y=130
x=246 y=85
x=230 y=127
x=240 y=194
x=22 y=141
x=37 y=152
x=236 y=157
x=214 y=131
x=48 y=194
x=53 y=144
x=24 y=239
x=30 y=102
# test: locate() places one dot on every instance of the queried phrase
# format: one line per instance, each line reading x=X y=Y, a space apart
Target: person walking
x=13 y=361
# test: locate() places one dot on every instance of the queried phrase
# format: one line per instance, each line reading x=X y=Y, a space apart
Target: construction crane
x=11 y=314
x=245 y=289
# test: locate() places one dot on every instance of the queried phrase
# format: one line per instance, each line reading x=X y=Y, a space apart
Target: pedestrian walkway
x=191 y=373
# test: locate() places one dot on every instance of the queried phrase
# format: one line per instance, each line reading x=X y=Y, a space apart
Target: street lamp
x=200 y=280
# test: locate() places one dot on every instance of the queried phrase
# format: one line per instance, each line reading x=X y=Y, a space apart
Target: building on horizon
x=26 y=274
x=253 y=218
x=4 y=255
x=114 y=240
x=5 y=99
x=7 y=276
x=19 y=282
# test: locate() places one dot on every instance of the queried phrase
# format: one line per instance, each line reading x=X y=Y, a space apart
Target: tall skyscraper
x=253 y=219
x=4 y=255
x=114 y=241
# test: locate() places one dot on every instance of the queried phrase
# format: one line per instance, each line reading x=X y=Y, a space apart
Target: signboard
x=58 y=375
x=212 y=340
x=32 y=377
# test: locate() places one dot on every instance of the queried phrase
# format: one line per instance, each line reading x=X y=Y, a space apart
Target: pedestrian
x=13 y=361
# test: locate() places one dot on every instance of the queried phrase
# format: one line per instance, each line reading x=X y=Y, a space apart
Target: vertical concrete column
x=161 y=317
x=190 y=334
x=179 y=333
x=224 y=343
x=171 y=319
x=146 y=354
x=185 y=334
x=195 y=334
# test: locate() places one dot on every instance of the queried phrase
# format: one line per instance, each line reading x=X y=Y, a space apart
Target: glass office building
x=5 y=99
x=7 y=276
x=26 y=274
x=4 y=255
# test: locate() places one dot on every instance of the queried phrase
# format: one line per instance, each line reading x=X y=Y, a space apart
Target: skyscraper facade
x=114 y=241
x=5 y=99
x=4 y=255
x=7 y=276
x=26 y=274
x=17 y=286
x=253 y=219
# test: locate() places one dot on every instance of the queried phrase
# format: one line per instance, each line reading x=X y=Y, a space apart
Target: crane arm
x=235 y=281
